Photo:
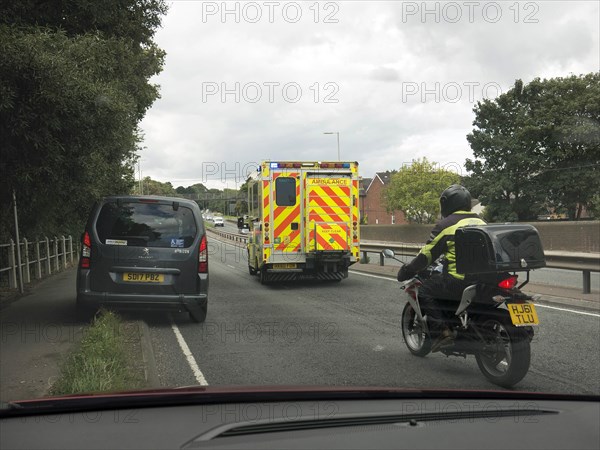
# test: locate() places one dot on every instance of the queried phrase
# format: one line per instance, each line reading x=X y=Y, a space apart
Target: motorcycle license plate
x=523 y=314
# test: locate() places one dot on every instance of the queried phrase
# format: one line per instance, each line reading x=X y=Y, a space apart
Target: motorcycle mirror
x=388 y=253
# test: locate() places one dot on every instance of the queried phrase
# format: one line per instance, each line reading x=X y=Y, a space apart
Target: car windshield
x=289 y=144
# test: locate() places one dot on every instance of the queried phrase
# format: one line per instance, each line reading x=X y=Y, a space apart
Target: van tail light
x=203 y=256
x=509 y=282
x=86 y=251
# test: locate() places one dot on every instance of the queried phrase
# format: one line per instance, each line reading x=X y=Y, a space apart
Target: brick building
x=372 y=206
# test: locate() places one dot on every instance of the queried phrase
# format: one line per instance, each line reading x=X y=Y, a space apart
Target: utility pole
x=338 y=141
x=18 y=262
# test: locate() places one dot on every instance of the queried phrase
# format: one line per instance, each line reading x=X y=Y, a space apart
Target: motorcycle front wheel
x=506 y=355
x=415 y=338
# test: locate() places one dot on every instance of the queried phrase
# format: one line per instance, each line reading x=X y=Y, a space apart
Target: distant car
x=219 y=222
x=144 y=253
x=243 y=227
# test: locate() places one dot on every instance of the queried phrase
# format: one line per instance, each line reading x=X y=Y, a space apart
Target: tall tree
x=154 y=187
x=74 y=85
x=416 y=189
x=537 y=147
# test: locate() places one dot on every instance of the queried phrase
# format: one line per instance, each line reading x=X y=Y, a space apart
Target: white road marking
x=372 y=276
x=583 y=313
x=188 y=355
x=567 y=310
x=229 y=265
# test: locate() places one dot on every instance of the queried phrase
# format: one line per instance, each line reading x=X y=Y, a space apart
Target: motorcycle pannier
x=498 y=248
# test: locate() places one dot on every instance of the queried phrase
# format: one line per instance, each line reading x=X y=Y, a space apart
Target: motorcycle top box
x=498 y=248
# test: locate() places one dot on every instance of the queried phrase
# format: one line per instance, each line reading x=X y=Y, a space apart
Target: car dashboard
x=370 y=423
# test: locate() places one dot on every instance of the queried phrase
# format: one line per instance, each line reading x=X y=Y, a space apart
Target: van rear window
x=146 y=225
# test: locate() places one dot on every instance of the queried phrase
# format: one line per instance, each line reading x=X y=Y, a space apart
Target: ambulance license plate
x=284 y=266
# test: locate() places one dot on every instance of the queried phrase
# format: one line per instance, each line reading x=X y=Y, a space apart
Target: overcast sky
x=250 y=81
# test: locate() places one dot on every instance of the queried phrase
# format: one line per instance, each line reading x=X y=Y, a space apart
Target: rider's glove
x=404 y=274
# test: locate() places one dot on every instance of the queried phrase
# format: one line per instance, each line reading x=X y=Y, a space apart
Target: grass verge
x=103 y=361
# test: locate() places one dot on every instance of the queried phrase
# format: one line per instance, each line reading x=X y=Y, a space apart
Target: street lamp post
x=338 y=140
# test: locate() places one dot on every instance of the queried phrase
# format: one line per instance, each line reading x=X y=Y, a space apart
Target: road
x=301 y=334
x=343 y=334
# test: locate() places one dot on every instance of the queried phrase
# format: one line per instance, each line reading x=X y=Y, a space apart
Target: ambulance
x=304 y=220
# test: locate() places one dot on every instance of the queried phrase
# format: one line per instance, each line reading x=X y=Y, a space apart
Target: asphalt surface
x=306 y=333
x=36 y=332
x=319 y=333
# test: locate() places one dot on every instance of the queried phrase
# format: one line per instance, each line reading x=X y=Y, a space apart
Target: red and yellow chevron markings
x=329 y=213
x=283 y=216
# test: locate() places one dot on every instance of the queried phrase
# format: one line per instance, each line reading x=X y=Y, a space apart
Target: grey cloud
x=384 y=74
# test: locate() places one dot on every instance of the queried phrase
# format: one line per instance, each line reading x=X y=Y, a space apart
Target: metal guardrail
x=37 y=259
x=584 y=262
x=236 y=237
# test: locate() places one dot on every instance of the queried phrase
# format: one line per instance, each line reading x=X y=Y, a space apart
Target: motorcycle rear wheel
x=415 y=338
x=506 y=357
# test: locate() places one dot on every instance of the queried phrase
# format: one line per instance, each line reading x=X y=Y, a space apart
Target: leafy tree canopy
x=416 y=189
x=536 y=148
x=74 y=85
x=154 y=187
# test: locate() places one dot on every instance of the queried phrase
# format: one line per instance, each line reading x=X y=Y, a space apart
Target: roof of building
x=364 y=185
x=383 y=177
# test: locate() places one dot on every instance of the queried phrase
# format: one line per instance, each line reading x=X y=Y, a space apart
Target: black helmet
x=455 y=198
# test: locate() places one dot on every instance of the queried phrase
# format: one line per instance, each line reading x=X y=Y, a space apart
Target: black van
x=145 y=252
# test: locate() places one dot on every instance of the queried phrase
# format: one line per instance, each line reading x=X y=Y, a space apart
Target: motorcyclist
x=445 y=287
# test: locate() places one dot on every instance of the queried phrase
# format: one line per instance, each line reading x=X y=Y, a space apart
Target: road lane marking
x=583 y=313
x=372 y=276
x=229 y=265
x=568 y=310
x=188 y=355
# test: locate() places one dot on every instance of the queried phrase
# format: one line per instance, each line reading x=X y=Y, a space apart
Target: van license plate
x=284 y=266
x=523 y=314
x=144 y=277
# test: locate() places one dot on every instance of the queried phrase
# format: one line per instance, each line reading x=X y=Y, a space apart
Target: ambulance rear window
x=285 y=191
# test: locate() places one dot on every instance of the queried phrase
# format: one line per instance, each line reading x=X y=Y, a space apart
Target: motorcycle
x=494 y=322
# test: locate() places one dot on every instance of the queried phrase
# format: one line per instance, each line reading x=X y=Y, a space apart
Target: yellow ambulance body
x=304 y=220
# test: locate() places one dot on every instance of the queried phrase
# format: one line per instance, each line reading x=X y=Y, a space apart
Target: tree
x=74 y=85
x=416 y=189
x=154 y=187
x=594 y=207
x=537 y=148
x=195 y=189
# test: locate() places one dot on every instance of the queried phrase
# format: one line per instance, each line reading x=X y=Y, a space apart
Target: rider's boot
x=444 y=340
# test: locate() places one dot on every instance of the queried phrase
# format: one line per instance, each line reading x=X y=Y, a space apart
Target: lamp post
x=338 y=140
